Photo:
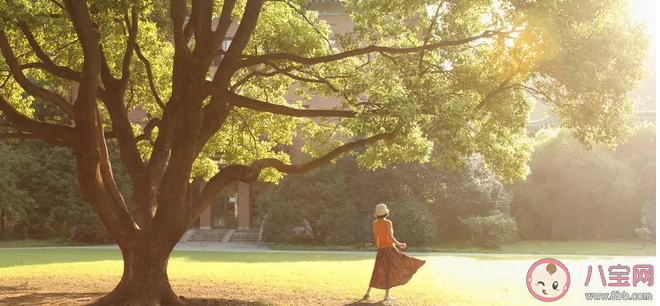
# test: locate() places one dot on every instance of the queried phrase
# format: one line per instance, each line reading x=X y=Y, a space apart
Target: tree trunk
x=145 y=281
x=2 y=223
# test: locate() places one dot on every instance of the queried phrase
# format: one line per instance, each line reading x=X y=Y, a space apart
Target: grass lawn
x=79 y=276
x=28 y=243
x=622 y=248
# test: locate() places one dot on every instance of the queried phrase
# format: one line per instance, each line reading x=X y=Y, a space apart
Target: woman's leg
x=368 y=294
x=388 y=296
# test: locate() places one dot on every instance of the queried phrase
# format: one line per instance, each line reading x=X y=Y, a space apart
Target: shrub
x=310 y=205
x=281 y=219
x=413 y=222
x=491 y=231
x=340 y=225
x=644 y=234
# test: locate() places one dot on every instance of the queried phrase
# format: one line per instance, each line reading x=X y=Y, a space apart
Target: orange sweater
x=382 y=234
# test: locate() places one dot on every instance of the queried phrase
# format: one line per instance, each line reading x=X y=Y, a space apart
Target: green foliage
x=42 y=196
x=314 y=203
x=341 y=225
x=449 y=193
x=412 y=221
x=426 y=202
x=16 y=203
x=568 y=183
x=491 y=231
x=580 y=56
x=644 y=234
x=639 y=152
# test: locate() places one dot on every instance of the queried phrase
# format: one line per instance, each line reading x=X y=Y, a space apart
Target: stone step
x=208 y=235
x=251 y=235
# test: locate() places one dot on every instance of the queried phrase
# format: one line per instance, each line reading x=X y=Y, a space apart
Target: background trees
x=571 y=194
x=41 y=194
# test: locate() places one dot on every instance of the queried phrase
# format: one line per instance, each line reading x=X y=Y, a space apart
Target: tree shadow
x=91 y=299
x=365 y=303
x=50 y=298
x=11 y=289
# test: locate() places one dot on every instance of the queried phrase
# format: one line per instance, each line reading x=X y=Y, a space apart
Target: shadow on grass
x=91 y=299
x=54 y=298
x=365 y=303
x=10 y=289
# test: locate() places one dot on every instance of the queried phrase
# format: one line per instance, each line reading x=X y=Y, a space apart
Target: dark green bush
x=491 y=231
x=412 y=221
x=341 y=225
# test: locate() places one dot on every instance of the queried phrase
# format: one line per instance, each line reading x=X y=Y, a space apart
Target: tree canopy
x=415 y=80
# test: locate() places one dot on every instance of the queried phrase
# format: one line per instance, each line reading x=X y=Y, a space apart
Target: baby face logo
x=548 y=280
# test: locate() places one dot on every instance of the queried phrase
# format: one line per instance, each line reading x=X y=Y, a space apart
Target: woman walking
x=392 y=268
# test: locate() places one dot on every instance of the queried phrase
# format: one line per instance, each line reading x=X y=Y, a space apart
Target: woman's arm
x=391 y=232
x=373 y=230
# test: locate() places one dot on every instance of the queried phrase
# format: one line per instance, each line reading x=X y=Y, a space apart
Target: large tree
x=416 y=80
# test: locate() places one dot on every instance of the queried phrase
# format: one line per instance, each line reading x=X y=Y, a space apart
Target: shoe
x=366 y=296
x=390 y=298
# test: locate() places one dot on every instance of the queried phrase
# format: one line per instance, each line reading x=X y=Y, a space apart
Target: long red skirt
x=393 y=268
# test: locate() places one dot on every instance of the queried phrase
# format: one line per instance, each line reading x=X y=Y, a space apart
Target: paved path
x=263 y=247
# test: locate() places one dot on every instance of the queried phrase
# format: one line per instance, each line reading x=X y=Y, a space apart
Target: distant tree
x=309 y=202
x=639 y=152
x=15 y=204
x=574 y=193
x=443 y=194
x=44 y=177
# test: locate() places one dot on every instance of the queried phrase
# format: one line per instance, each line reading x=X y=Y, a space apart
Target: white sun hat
x=381 y=210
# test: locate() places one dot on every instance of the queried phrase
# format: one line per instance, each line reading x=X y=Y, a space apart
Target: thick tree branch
x=248 y=174
x=241 y=101
x=225 y=21
x=230 y=61
x=26 y=84
x=130 y=45
x=47 y=62
x=94 y=173
x=43 y=130
x=286 y=71
x=214 y=116
x=150 y=76
x=245 y=29
x=502 y=87
x=148 y=129
x=201 y=21
x=178 y=14
x=56 y=142
x=260 y=59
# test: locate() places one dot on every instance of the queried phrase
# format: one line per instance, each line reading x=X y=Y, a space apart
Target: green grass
x=28 y=243
x=302 y=278
x=624 y=248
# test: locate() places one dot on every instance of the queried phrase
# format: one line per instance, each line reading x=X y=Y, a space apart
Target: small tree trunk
x=2 y=223
x=145 y=281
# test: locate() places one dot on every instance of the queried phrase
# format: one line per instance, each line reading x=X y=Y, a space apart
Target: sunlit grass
x=623 y=248
x=313 y=278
